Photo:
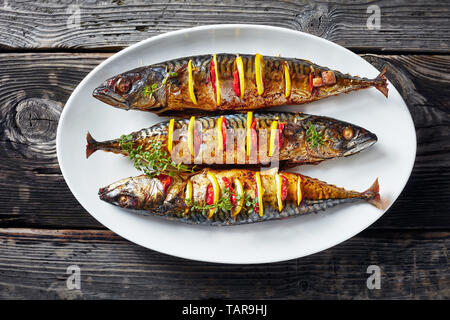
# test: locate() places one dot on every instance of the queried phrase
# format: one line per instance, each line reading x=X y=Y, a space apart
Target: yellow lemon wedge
x=260 y=193
x=170 y=135
x=219 y=133
x=216 y=189
x=287 y=78
x=278 y=181
x=259 y=70
x=240 y=69
x=299 y=190
x=191 y=83
x=188 y=194
x=249 y=132
x=240 y=194
x=191 y=135
x=273 y=136
x=216 y=70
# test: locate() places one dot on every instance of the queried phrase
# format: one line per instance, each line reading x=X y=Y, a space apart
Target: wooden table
x=44 y=230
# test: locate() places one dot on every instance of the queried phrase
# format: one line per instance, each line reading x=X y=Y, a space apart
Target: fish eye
x=123 y=85
x=348 y=133
x=127 y=201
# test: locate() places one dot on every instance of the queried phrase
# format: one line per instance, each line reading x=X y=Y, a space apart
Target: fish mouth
x=108 y=194
x=361 y=143
x=108 y=96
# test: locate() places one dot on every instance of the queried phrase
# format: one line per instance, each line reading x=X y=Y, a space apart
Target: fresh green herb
x=148 y=91
x=224 y=203
x=250 y=203
x=153 y=161
x=313 y=137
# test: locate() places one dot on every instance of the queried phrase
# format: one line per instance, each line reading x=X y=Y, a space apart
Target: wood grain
x=33 y=264
x=414 y=26
x=35 y=86
x=423 y=83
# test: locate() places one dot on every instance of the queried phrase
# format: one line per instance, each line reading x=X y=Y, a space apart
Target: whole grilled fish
x=227 y=83
x=239 y=139
x=231 y=197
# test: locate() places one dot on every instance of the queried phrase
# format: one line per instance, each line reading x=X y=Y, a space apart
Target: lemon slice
x=240 y=69
x=191 y=83
x=287 y=78
x=273 y=136
x=278 y=181
x=259 y=62
x=191 y=135
x=260 y=193
x=170 y=135
x=216 y=70
x=216 y=190
x=240 y=194
x=219 y=133
x=188 y=194
x=299 y=190
x=249 y=131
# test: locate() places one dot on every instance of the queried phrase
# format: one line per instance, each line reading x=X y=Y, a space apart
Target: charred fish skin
x=164 y=88
x=338 y=139
x=158 y=197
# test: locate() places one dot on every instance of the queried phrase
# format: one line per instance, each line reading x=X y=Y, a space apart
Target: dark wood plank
x=33 y=264
x=423 y=83
x=35 y=86
x=414 y=26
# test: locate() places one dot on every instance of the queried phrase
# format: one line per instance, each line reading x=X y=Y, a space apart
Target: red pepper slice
x=197 y=142
x=224 y=133
x=230 y=189
x=209 y=194
x=280 y=135
x=165 y=180
x=212 y=71
x=236 y=83
x=311 y=76
x=256 y=207
x=283 y=187
x=253 y=135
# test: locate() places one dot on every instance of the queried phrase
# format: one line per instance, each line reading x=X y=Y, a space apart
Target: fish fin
x=374 y=195
x=382 y=87
x=91 y=146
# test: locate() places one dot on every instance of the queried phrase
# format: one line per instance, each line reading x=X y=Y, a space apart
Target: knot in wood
x=314 y=21
x=32 y=127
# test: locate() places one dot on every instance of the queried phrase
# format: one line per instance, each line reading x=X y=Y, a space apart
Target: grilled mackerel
x=239 y=139
x=222 y=197
x=227 y=83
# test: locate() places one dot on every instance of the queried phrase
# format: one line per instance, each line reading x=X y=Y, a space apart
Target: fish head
x=140 y=89
x=356 y=139
x=141 y=192
x=337 y=139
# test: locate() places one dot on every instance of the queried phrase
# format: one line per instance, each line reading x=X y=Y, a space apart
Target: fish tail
x=382 y=83
x=373 y=195
x=91 y=146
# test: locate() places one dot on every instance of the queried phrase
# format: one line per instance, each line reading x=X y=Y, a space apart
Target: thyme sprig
x=148 y=91
x=313 y=137
x=153 y=161
x=224 y=203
